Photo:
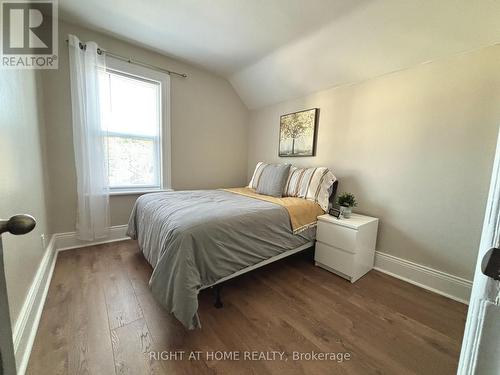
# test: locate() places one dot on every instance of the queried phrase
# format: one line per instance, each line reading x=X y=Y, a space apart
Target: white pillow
x=310 y=183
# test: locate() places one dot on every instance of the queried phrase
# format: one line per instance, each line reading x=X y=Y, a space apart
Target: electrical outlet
x=44 y=245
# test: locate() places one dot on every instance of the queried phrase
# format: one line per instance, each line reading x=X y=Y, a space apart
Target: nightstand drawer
x=334 y=258
x=337 y=236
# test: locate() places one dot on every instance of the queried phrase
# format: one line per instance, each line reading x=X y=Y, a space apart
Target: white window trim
x=165 y=167
x=137 y=191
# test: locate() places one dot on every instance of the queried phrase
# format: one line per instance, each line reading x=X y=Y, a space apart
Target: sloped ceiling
x=273 y=50
x=223 y=36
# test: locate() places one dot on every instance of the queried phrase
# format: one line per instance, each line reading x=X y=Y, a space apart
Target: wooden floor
x=100 y=318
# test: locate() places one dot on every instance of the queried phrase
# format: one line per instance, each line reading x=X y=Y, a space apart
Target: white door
x=19 y=224
x=481 y=344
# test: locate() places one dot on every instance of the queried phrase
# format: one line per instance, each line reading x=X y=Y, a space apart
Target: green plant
x=347 y=200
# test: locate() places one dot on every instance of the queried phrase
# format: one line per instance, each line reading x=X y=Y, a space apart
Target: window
x=134 y=105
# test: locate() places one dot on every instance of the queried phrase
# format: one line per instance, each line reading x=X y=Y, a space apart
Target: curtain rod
x=135 y=62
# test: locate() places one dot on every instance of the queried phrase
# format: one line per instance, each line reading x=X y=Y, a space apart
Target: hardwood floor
x=100 y=318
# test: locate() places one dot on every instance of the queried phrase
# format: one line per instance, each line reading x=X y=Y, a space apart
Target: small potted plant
x=346 y=202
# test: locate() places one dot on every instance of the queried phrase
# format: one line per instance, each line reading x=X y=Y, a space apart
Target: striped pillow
x=310 y=183
x=254 y=182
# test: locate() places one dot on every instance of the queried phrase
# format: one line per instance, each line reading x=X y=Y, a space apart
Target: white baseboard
x=26 y=326
x=69 y=240
x=439 y=282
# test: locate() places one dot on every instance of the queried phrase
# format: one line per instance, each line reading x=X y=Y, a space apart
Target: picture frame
x=298 y=133
x=335 y=212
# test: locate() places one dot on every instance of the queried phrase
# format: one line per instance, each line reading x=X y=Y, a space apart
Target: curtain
x=87 y=69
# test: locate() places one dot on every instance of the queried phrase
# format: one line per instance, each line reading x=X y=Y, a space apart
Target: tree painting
x=297 y=133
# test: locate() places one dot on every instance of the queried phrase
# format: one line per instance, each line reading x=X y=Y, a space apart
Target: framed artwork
x=298 y=133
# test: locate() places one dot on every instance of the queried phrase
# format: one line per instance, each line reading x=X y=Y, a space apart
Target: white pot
x=346 y=212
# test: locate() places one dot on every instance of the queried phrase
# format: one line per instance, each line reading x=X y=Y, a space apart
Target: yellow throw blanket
x=303 y=213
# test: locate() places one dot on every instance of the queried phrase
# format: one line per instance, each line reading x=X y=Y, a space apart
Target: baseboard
x=69 y=240
x=439 y=282
x=26 y=326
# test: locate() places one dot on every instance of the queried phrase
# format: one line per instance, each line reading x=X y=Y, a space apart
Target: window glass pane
x=131 y=117
x=132 y=106
x=132 y=162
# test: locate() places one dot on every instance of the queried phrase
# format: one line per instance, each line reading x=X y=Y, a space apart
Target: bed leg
x=218 y=303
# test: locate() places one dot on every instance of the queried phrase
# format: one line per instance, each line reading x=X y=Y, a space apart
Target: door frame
x=483 y=287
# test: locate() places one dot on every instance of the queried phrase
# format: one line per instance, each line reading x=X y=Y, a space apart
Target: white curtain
x=87 y=67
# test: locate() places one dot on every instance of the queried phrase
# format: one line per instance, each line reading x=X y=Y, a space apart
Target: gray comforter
x=194 y=238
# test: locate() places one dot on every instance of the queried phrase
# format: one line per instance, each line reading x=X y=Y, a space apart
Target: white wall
x=416 y=147
x=208 y=127
x=22 y=180
x=368 y=39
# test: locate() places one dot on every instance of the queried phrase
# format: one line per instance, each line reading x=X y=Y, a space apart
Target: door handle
x=491 y=264
x=18 y=224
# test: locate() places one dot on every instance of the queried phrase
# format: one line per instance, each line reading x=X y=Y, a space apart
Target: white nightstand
x=346 y=246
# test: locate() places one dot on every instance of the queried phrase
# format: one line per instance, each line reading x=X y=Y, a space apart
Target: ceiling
x=221 y=35
x=273 y=50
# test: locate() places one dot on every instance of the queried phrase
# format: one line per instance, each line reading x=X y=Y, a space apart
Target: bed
x=198 y=239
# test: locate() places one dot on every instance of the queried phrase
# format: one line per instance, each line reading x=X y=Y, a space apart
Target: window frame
x=127 y=69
